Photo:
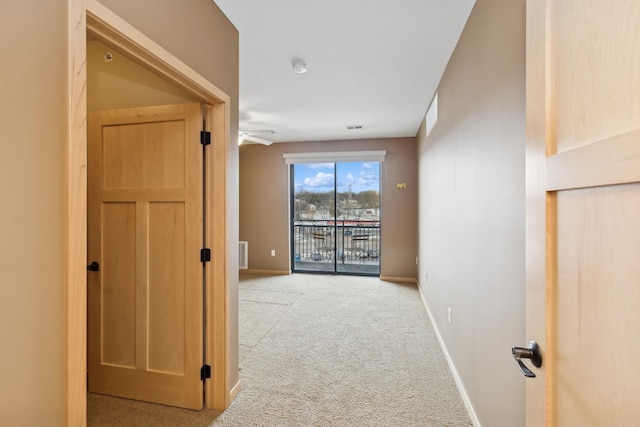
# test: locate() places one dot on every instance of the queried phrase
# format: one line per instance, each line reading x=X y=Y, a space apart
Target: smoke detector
x=299 y=67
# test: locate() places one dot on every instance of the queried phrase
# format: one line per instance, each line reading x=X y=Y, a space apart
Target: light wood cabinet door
x=583 y=211
x=145 y=231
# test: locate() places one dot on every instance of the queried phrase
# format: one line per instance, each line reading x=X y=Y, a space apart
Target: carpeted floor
x=321 y=350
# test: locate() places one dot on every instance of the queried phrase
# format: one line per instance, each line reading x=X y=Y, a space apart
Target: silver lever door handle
x=532 y=352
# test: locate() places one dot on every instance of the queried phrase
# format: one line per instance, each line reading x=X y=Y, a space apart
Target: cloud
x=349 y=179
x=367 y=178
x=320 y=165
x=367 y=165
x=320 y=180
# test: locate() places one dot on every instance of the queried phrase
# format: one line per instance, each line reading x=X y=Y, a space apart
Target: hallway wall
x=471 y=210
x=32 y=169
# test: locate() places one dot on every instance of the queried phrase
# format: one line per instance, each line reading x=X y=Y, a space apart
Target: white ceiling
x=375 y=63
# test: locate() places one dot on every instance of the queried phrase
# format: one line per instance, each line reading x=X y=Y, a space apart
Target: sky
x=362 y=176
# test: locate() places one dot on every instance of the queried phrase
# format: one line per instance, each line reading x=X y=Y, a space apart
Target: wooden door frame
x=90 y=17
x=539 y=130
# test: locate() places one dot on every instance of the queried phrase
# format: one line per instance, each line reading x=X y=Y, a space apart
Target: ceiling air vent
x=355 y=127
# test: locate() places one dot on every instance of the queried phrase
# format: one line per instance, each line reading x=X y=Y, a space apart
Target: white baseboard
x=234 y=391
x=398 y=279
x=452 y=367
x=266 y=272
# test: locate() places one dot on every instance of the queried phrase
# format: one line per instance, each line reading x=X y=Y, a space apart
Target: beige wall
x=33 y=79
x=472 y=210
x=32 y=156
x=264 y=199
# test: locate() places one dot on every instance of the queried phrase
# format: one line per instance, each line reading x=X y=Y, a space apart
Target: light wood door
x=583 y=211
x=145 y=229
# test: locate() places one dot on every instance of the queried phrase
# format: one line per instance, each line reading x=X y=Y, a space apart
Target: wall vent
x=243 y=255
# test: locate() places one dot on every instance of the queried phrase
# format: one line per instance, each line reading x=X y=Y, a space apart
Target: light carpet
x=320 y=350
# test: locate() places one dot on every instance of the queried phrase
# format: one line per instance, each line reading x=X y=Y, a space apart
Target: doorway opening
x=335 y=217
x=103 y=25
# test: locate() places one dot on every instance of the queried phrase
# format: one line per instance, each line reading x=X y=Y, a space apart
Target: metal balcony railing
x=339 y=241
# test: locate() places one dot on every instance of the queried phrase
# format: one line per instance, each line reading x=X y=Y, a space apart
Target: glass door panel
x=358 y=217
x=313 y=219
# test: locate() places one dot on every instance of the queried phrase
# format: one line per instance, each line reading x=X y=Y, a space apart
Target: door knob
x=94 y=266
x=532 y=352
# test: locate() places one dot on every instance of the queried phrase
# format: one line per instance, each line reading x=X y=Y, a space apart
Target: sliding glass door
x=335 y=224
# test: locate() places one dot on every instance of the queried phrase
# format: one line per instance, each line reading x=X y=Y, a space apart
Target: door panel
x=583 y=199
x=166 y=323
x=313 y=217
x=145 y=229
x=144 y=155
x=358 y=217
x=597 y=309
x=118 y=304
x=596 y=97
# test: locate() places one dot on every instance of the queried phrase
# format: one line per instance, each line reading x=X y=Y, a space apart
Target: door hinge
x=205 y=137
x=205 y=372
x=205 y=255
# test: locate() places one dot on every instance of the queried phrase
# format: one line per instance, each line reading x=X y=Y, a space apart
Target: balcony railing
x=342 y=242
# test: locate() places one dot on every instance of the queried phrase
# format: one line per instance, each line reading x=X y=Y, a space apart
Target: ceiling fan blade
x=255 y=139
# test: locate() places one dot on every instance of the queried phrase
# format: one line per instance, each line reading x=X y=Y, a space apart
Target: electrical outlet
x=416 y=260
x=449 y=314
x=273 y=252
